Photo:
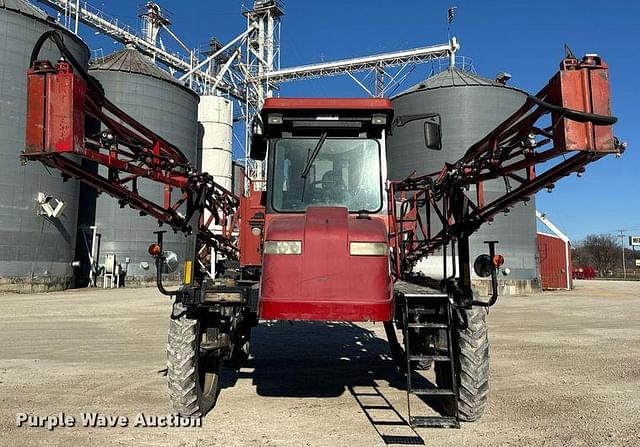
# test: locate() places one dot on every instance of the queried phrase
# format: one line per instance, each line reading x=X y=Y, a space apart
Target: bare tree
x=579 y=256
x=601 y=250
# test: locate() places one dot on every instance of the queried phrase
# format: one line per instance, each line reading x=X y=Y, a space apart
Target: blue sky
x=522 y=37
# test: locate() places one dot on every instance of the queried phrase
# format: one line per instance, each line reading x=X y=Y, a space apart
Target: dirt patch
x=565 y=371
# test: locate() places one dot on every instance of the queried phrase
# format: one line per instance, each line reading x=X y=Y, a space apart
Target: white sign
x=634 y=240
x=637 y=262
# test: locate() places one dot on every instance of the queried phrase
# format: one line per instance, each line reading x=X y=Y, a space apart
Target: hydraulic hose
x=161 y=288
x=57 y=38
x=575 y=115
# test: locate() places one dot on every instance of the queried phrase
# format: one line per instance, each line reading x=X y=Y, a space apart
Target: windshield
x=345 y=172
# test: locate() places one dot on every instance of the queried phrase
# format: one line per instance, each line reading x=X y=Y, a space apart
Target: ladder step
x=429 y=325
x=435 y=358
x=425 y=301
x=434 y=421
x=418 y=310
x=427 y=311
x=433 y=392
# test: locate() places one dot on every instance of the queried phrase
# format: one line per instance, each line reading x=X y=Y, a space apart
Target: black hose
x=38 y=46
x=57 y=38
x=159 y=267
x=576 y=115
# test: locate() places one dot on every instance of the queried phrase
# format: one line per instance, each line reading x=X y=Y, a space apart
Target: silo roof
x=129 y=60
x=24 y=7
x=455 y=77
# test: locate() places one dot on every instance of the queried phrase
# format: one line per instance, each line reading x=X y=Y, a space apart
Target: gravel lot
x=565 y=371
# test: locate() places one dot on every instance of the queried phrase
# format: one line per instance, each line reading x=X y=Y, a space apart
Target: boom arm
x=567 y=125
x=577 y=131
x=60 y=99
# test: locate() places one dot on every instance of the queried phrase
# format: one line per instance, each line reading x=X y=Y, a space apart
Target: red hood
x=325 y=272
x=327 y=223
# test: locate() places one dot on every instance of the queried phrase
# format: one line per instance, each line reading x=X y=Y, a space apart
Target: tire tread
x=181 y=365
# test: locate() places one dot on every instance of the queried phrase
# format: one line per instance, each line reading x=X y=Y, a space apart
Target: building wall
x=467 y=113
x=171 y=112
x=36 y=251
x=552 y=252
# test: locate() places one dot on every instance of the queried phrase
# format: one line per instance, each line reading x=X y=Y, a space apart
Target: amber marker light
x=498 y=260
x=154 y=250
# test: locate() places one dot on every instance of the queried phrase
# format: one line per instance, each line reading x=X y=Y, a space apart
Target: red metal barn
x=553 y=262
x=554 y=254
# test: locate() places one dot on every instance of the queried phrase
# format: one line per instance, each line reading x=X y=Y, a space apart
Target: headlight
x=282 y=247
x=222 y=297
x=368 y=249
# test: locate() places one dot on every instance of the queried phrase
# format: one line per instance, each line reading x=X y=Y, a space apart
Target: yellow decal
x=187 y=272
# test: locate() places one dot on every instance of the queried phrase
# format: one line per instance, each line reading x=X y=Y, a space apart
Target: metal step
x=416 y=293
x=432 y=392
x=417 y=311
x=435 y=358
x=421 y=310
x=426 y=298
x=429 y=325
x=434 y=421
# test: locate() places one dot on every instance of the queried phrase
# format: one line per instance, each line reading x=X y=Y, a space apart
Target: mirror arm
x=405 y=119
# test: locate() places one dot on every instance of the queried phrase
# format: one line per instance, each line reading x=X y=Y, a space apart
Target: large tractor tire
x=471 y=348
x=192 y=376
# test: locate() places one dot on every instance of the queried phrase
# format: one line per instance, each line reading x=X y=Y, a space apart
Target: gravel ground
x=565 y=370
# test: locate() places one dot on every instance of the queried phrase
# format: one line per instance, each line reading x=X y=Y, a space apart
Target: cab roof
x=378 y=105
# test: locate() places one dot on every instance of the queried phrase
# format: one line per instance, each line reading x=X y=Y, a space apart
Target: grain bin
x=215 y=115
x=36 y=249
x=470 y=106
x=154 y=98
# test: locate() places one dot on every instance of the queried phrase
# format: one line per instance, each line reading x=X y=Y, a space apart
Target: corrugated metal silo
x=469 y=106
x=35 y=251
x=157 y=100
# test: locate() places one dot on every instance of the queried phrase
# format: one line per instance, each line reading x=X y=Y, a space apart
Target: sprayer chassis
x=214 y=311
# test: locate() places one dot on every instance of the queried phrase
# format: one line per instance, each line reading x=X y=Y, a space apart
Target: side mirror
x=432 y=134
x=483 y=266
x=170 y=263
x=432 y=129
x=258 y=147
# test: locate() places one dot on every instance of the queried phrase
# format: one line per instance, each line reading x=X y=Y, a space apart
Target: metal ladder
x=416 y=305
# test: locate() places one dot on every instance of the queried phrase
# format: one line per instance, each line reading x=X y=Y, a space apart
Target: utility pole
x=624 y=267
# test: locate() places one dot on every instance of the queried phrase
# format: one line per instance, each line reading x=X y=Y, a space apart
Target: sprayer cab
x=325 y=250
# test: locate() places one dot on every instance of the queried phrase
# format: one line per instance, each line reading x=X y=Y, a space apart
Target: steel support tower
x=247 y=68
